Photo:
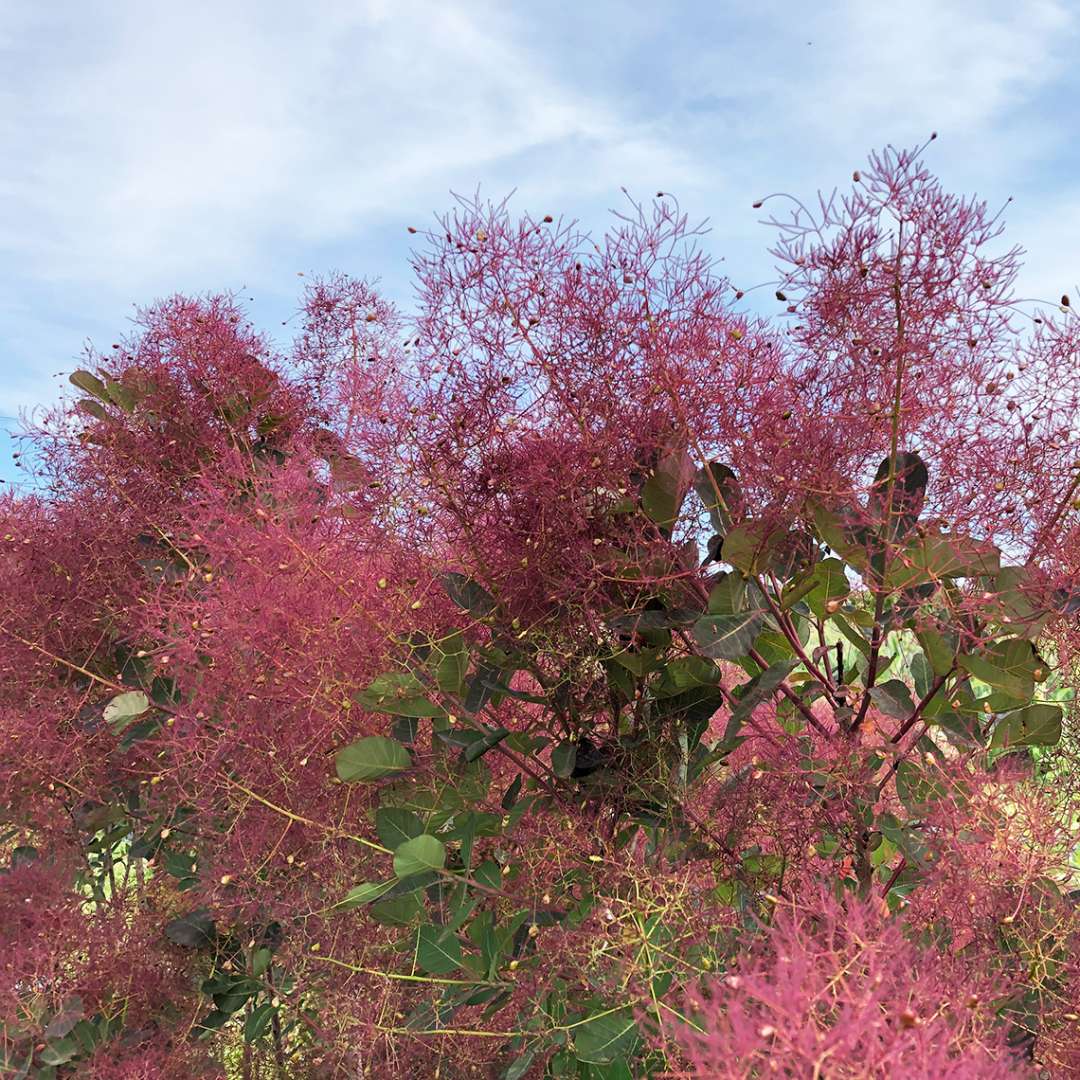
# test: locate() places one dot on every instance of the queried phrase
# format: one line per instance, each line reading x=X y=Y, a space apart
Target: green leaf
x=639 y=661
x=120 y=394
x=488 y=873
x=490 y=740
x=90 y=384
x=437 y=951
x=922 y=674
x=691 y=711
x=727 y=637
x=606 y=1036
x=124 y=708
x=830 y=583
x=258 y=1021
x=757 y=690
x=663 y=492
x=520 y=1065
x=749 y=547
x=620 y=679
x=88 y=1034
x=728 y=595
x=178 y=864
x=940 y=651
x=1010 y=686
x=92 y=408
x=1035 y=725
x=59 y=1052
x=686 y=673
x=467 y=594
x=195 y=930
x=451 y=662
x=71 y=1011
x=852 y=634
x=398 y=693
x=394 y=826
x=485 y=683
x=236 y=995
x=1011 y=666
x=370 y=759
x=399 y=911
x=405 y=728
x=260 y=961
x=1018 y=601
x=794 y=550
x=564 y=758
x=460 y=738
x=937 y=556
x=718 y=488
x=510 y=796
x=365 y=893
x=214 y=1020
x=799 y=587
x=420 y=854
x=893 y=698
x=848 y=540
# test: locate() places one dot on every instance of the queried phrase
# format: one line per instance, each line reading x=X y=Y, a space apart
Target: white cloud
x=204 y=145
x=203 y=133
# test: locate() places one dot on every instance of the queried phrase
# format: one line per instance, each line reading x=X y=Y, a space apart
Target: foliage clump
x=579 y=677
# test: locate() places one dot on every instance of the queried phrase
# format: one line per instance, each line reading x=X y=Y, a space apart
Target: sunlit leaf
x=370 y=759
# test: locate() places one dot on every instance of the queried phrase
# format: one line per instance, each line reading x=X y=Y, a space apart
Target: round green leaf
x=750 y=546
x=1036 y=725
x=364 y=893
x=258 y=1020
x=727 y=637
x=124 y=708
x=606 y=1036
x=420 y=854
x=370 y=759
x=395 y=825
x=563 y=759
x=399 y=693
x=438 y=950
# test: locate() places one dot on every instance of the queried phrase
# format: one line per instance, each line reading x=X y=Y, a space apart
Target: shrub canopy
x=579 y=677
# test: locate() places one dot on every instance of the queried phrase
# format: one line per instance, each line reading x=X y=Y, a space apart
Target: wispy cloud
x=202 y=138
x=207 y=145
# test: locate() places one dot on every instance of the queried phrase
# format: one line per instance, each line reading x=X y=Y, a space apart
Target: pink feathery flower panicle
x=835 y=989
x=354 y=358
x=254 y=536
x=903 y=309
x=152 y=1059
x=53 y=944
x=995 y=866
x=556 y=373
x=194 y=381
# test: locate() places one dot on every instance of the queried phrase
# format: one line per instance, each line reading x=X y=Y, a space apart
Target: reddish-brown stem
x=789 y=693
x=913 y=719
x=895 y=874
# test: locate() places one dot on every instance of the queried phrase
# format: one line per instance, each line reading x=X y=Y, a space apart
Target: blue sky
x=152 y=148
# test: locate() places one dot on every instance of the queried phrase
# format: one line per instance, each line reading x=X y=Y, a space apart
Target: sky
x=148 y=149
